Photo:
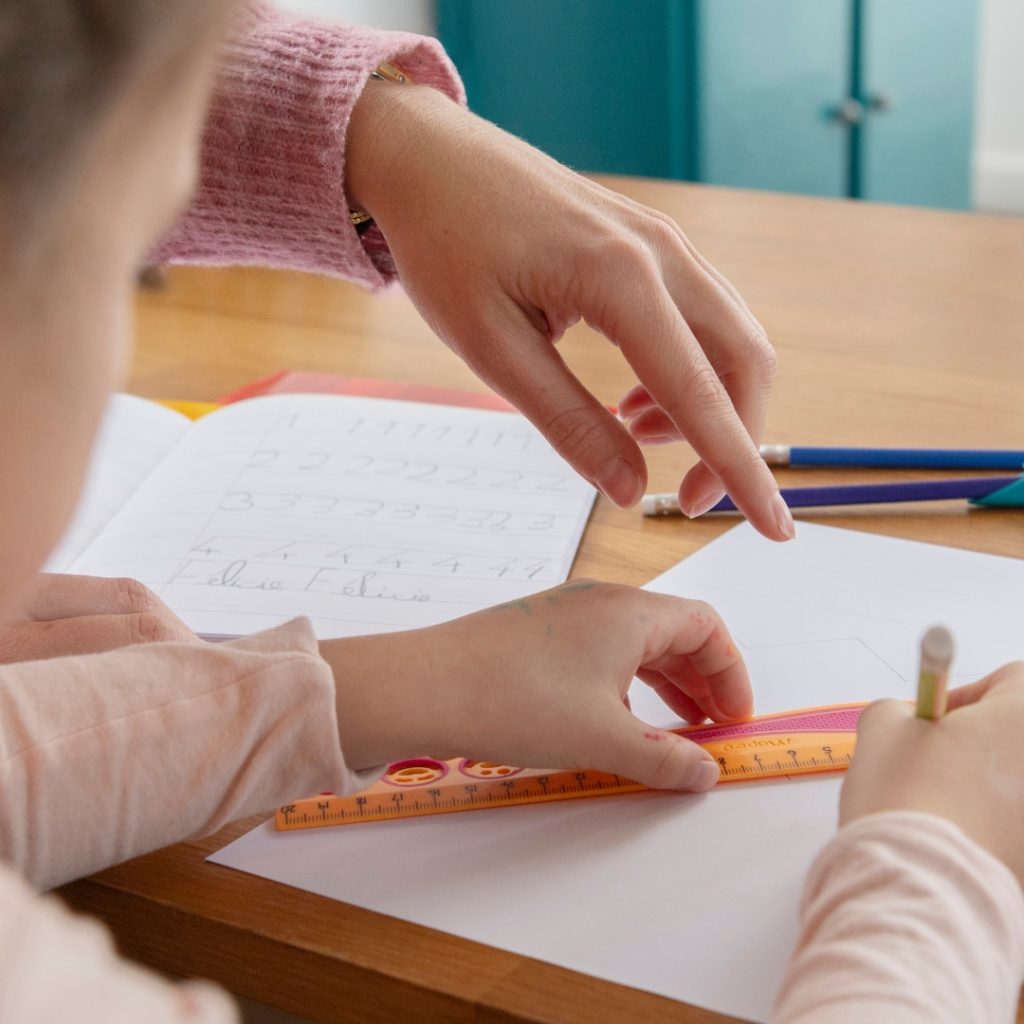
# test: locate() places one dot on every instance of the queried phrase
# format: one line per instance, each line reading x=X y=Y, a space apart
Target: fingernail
x=619 y=482
x=783 y=517
x=705 y=775
x=698 y=506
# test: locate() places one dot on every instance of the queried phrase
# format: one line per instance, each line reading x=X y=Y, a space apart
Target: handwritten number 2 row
x=405 y=469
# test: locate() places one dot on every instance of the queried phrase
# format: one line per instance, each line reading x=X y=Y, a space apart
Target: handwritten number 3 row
x=320 y=504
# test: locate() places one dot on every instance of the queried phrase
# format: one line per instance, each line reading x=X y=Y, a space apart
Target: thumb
x=1006 y=679
x=655 y=757
x=880 y=716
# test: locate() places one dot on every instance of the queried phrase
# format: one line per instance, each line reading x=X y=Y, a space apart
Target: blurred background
x=905 y=101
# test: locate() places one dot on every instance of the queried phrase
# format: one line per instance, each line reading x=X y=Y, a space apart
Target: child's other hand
x=67 y=615
x=967 y=767
x=542 y=683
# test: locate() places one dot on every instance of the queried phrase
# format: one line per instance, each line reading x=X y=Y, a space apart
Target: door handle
x=850 y=112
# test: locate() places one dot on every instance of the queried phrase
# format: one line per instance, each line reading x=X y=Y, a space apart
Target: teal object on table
x=862 y=98
x=1011 y=496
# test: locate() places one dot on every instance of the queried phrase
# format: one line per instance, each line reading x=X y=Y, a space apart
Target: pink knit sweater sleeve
x=905 y=920
x=271 y=189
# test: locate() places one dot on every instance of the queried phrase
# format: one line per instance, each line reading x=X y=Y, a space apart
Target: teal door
x=918 y=62
x=863 y=98
x=599 y=84
x=772 y=78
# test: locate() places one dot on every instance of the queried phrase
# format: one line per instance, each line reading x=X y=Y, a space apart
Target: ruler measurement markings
x=821 y=741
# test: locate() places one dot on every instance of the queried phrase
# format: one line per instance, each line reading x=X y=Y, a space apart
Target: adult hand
x=542 y=682
x=502 y=248
x=65 y=615
x=967 y=767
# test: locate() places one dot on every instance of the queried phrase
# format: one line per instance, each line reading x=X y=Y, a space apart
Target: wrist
x=389 y=124
x=390 y=694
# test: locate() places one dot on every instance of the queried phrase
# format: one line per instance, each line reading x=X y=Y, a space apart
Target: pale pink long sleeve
x=272 y=175
x=105 y=757
x=906 y=921
x=60 y=968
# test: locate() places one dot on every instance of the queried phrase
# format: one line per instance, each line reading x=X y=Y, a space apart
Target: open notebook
x=365 y=514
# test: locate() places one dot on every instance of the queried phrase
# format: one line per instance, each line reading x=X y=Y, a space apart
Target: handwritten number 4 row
x=408 y=558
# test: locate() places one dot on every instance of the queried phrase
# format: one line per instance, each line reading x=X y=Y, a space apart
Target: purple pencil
x=855 y=494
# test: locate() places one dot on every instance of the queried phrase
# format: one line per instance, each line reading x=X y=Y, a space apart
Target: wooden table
x=892 y=326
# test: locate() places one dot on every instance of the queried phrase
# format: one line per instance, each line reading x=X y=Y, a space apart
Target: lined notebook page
x=364 y=514
x=134 y=438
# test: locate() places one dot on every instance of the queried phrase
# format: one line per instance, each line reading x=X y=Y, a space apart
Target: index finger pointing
x=669 y=362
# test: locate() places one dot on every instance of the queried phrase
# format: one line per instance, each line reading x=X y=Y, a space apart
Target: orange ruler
x=783 y=745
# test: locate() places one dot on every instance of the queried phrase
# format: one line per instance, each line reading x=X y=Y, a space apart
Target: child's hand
x=967 y=767
x=65 y=615
x=542 y=682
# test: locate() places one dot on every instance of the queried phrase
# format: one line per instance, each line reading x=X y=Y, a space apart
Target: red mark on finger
x=655 y=735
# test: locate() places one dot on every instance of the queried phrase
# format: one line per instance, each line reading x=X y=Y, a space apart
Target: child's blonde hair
x=62 y=64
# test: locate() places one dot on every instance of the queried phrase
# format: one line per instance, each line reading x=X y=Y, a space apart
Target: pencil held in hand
x=933 y=678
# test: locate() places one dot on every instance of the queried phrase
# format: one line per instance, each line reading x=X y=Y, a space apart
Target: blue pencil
x=907 y=458
x=856 y=494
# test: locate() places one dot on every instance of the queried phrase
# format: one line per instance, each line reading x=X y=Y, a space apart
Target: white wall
x=999 y=130
x=410 y=15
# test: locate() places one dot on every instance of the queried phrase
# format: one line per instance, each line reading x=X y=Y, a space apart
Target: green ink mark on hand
x=520 y=605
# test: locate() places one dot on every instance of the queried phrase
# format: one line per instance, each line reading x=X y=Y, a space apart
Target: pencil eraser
x=937 y=645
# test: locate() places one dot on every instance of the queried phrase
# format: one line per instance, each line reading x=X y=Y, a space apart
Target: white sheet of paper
x=691 y=897
x=134 y=437
x=365 y=514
